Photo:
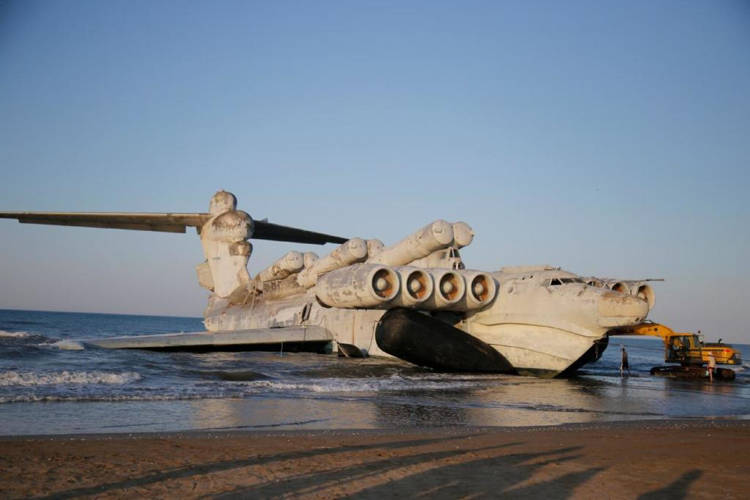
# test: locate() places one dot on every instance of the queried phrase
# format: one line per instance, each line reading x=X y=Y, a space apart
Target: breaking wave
x=14 y=335
x=30 y=379
x=61 y=398
x=68 y=345
x=393 y=383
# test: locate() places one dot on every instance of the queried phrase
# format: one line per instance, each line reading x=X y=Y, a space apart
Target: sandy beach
x=663 y=459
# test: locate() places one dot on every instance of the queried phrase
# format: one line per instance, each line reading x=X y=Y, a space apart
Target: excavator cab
x=683 y=349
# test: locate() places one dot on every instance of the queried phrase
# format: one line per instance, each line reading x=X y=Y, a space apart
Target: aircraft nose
x=618 y=309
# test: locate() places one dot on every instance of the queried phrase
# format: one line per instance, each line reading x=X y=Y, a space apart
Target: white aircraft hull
x=538 y=349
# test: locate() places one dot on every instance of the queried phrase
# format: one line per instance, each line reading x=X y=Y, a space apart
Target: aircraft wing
x=212 y=341
x=165 y=222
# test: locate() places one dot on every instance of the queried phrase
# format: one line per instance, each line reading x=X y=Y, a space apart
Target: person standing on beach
x=711 y=366
x=624 y=361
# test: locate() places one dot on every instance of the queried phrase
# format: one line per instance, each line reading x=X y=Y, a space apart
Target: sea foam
x=29 y=379
x=68 y=345
x=354 y=385
x=14 y=335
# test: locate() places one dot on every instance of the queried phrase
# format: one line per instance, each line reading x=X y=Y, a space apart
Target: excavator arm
x=647 y=328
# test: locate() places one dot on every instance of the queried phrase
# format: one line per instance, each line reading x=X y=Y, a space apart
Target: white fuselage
x=543 y=320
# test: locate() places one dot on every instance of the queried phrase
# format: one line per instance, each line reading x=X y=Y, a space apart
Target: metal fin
x=269 y=231
x=165 y=222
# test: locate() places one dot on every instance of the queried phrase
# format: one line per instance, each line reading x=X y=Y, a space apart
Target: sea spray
x=13 y=335
x=29 y=379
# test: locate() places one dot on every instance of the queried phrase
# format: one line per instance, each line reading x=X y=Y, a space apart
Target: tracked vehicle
x=687 y=351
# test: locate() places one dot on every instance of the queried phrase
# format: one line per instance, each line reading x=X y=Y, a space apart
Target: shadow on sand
x=448 y=471
x=209 y=468
x=676 y=490
x=436 y=467
x=485 y=477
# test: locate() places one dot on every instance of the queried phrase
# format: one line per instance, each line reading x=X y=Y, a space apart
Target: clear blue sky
x=610 y=138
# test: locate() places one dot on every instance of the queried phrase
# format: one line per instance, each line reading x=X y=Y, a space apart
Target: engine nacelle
x=619 y=286
x=416 y=287
x=358 y=286
x=378 y=286
x=595 y=282
x=636 y=288
x=450 y=289
x=354 y=250
x=430 y=238
x=481 y=290
x=644 y=292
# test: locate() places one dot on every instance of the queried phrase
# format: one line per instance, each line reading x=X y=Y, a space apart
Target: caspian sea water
x=46 y=388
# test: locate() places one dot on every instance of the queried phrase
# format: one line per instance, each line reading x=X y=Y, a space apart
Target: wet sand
x=655 y=459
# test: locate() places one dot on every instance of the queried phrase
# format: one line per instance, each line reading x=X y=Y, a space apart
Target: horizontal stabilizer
x=165 y=222
x=268 y=231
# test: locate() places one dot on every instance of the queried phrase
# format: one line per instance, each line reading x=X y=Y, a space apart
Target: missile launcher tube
x=290 y=263
x=280 y=289
x=463 y=234
x=358 y=286
x=308 y=259
x=430 y=238
x=354 y=250
x=374 y=247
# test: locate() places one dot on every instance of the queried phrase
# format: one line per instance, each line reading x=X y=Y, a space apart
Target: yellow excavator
x=687 y=349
